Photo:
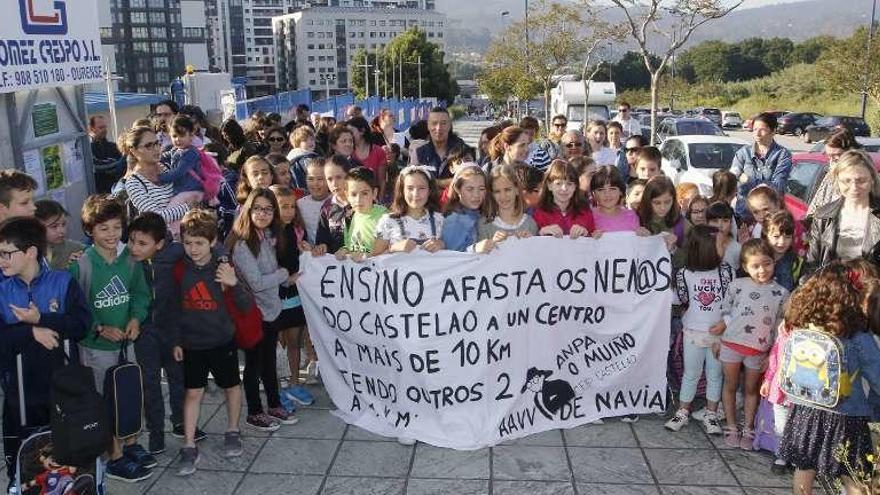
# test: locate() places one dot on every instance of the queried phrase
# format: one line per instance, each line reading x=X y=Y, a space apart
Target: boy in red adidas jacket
x=204 y=332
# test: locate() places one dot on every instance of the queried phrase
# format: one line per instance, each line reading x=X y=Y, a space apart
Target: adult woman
x=597 y=139
x=848 y=227
x=383 y=129
x=141 y=146
x=340 y=139
x=275 y=141
x=240 y=149
x=322 y=134
x=509 y=147
x=835 y=146
x=764 y=162
x=486 y=137
x=370 y=155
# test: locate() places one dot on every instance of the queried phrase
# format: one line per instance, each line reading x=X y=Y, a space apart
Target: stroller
x=36 y=472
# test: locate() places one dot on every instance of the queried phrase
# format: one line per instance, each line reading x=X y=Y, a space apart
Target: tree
x=630 y=72
x=680 y=18
x=847 y=67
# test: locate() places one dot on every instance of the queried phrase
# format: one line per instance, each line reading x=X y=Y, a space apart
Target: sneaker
x=139 y=455
x=262 y=422
x=406 y=441
x=156 y=444
x=299 y=395
x=779 y=467
x=747 y=440
x=312 y=374
x=282 y=416
x=681 y=418
x=189 y=457
x=177 y=432
x=630 y=418
x=731 y=436
x=711 y=424
x=232 y=443
x=286 y=402
x=127 y=470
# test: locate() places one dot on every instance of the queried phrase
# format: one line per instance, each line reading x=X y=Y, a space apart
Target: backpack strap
x=400 y=225
x=433 y=223
x=84 y=274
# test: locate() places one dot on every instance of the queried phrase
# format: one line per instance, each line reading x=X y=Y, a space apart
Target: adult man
x=558 y=125
x=434 y=153
x=572 y=144
x=628 y=154
x=631 y=126
x=538 y=157
x=163 y=114
x=108 y=163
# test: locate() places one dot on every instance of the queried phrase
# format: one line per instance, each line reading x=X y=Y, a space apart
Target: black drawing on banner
x=550 y=395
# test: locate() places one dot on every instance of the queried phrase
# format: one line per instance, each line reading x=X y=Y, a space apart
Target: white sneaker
x=711 y=424
x=681 y=418
x=406 y=441
x=312 y=373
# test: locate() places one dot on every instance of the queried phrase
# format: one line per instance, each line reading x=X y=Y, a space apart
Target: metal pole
x=111 y=100
x=420 y=77
x=527 y=47
x=393 y=79
x=868 y=56
x=400 y=67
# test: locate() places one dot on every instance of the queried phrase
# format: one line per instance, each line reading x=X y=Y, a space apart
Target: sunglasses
x=632 y=150
x=275 y=139
x=573 y=145
x=559 y=124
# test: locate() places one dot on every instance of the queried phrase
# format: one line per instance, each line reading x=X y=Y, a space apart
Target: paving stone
x=609 y=465
x=202 y=482
x=516 y=462
x=446 y=487
x=313 y=423
x=115 y=487
x=358 y=433
x=532 y=488
x=280 y=484
x=549 y=438
x=219 y=424
x=372 y=458
x=773 y=491
x=651 y=434
x=753 y=469
x=436 y=462
x=604 y=489
x=689 y=467
x=611 y=434
x=363 y=486
x=701 y=490
x=211 y=454
x=295 y=456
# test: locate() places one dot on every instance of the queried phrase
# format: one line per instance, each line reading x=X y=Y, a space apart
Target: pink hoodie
x=775 y=395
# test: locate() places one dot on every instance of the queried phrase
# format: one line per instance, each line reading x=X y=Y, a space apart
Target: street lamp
x=419 y=63
x=366 y=67
x=327 y=79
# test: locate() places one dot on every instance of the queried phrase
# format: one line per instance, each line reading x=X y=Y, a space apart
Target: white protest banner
x=464 y=351
x=46 y=43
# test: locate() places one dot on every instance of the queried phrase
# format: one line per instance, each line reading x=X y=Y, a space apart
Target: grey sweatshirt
x=262 y=275
x=752 y=311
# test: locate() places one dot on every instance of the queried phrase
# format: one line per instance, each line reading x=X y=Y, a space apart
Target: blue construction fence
x=407 y=110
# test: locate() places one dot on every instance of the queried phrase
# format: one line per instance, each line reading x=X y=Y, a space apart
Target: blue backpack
x=812 y=369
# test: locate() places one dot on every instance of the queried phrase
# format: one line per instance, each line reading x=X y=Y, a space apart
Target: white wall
x=196 y=54
x=192 y=13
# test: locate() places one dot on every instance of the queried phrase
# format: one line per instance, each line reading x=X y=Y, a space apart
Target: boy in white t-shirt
x=310 y=206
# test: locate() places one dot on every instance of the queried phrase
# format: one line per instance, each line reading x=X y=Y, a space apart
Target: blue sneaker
x=127 y=470
x=139 y=455
x=299 y=395
x=286 y=402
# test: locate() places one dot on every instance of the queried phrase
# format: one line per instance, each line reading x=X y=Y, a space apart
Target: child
x=701 y=286
x=255 y=172
x=685 y=192
x=562 y=209
x=61 y=250
x=16 y=194
x=829 y=302
x=723 y=187
x=506 y=206
x=335 y=213
x=752 y=310
x=779 y=230
x=309 y=207
x=157 y=255
x=761 y=201
x=696 y=211
x=183 y=170
x=585 y=167
x=360 y=235
x=203 y=332
x=530 y=179
x=413 y=220
x=659 y=213
x=114 y=285
x=280 y=168
x=648 y=163
x=292 y=321
x=610 y=215
x=634 y=193
x=720 y=216
x=465 y=207
x=40 y=309
x=255 y=242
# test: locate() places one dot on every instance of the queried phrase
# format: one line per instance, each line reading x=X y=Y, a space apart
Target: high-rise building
x=149 y=43
x=315 y=47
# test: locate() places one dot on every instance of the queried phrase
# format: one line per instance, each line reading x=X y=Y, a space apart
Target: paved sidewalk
x=323 y=455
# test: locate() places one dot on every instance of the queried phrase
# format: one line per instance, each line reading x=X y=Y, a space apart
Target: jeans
x=154 y=353
x=259 y=364
x=694 y=358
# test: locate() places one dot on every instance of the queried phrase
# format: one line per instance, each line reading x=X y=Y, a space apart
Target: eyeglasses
x=632 y=150
x=275 y=139
x=573 y=145
x=259 y=210
x=149 y=146
x=861 y=181
x=7 y=255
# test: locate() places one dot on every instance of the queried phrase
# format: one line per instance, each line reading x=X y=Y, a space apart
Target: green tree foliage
x=630 y=73
x=848 y=67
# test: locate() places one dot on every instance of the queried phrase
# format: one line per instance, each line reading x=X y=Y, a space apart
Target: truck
x=567 y=98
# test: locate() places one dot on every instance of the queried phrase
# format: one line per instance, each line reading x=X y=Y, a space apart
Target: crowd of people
x=183 y=202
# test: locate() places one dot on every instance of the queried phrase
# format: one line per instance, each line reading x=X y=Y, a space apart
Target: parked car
x=827 y=126
x=747 y=125
x=731 y=119
x=713 y=114
x=696 y=158
x=687 y=127
x=869 y=144
x=796 y=122
x=807 y=172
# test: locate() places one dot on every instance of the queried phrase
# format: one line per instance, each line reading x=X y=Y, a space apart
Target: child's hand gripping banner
x=465 y=351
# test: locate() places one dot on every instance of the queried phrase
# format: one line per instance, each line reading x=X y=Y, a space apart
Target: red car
x=807 y=172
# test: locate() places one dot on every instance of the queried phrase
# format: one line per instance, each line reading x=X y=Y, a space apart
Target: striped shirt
x=148 y=196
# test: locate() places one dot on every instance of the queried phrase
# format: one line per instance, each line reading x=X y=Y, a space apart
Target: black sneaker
x=177 y=432
x=139 y=455
x=127 y=470
x=157 y=443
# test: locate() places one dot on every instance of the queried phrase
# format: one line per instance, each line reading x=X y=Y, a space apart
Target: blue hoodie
x=460 y=229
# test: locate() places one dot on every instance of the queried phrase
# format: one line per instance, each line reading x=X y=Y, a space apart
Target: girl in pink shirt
x=562 y=209
x=609 y=215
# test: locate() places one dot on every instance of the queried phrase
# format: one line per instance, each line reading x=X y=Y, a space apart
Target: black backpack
x=78 y=418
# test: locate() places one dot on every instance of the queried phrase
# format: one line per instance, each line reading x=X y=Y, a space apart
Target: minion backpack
x=812 y=369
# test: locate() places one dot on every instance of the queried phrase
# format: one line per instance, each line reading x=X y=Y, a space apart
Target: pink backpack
x=209 y=175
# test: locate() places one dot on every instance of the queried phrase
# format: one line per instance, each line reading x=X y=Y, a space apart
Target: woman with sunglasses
x=572 y=145
x=275 y=141
x=835 y=146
